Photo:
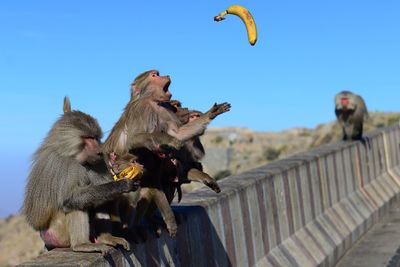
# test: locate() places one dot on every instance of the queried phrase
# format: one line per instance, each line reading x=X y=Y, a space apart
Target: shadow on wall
x=197 y=244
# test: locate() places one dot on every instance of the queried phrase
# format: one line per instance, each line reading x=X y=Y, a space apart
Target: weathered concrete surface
x=377 y=247
x=306 y=210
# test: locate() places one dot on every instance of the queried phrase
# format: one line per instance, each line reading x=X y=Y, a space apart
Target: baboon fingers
x=90 y=247
x=108 y=239
x=218 y=109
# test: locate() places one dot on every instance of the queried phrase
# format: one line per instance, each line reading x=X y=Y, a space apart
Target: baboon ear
x=135 y=89
x=67 y=105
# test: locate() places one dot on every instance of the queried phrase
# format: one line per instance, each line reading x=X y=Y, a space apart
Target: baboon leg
x=344 y=138
x=57 y=235
x=115 y=211
x=108 y=232
x=141 y=211
x=166 y=212
x=151 y=198
x=127 y=207
x=199 y=176
x=154 y=223
x=348 y=131
x=357 y=131
x=78 y=227
x=142 y=205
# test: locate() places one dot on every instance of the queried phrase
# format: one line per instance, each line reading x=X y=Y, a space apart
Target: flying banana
x=246 y=17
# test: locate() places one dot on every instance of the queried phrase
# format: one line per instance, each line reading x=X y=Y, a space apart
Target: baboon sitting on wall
x=145 y=114
x=351 y=111
x=64 y=188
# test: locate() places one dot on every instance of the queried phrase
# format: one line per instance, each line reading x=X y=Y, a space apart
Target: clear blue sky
x=91 y=51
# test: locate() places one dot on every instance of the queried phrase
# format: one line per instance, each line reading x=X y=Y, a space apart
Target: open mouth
x=166 y=86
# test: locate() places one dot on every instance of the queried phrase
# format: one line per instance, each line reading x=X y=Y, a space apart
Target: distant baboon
x=351 y=111
x=145 y=114
x=65 y=186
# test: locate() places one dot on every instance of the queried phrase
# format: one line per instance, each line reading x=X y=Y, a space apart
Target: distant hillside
x=234 y=150
x=228 y=151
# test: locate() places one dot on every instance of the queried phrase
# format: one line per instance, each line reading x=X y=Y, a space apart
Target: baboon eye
x=154 y=74
x=89 y=137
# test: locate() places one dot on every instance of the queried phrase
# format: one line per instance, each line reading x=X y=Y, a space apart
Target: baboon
x=145 y=114
x=194 y=152
x=182 y=113
x=351 y=111
x=190 y=155
x=65 y=186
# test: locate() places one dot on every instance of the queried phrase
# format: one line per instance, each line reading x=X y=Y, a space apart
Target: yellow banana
x=246 y=17
x=132 y=172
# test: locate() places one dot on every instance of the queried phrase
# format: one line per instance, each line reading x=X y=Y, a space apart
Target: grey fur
x=351 y=117
x=58 y=184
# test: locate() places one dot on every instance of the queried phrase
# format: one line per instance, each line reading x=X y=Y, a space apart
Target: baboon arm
x=90 y=196
x=152 y=141
x=197 y=127
x=162 y=203
x=189 y=130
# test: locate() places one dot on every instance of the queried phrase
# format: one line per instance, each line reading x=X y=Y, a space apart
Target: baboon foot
x=213 y=185
x=108 y=239
x=90 y=247
x=172 y=230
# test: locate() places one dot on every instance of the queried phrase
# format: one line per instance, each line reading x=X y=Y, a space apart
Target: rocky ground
x=228 y=151
x=18 y=241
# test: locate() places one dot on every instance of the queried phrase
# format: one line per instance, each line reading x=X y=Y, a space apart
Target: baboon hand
x=129 y=185
x=218 y=109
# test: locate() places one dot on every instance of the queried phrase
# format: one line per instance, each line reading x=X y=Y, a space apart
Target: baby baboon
x=145 y=114
x=194 y=152
x=351 y=111
x=190 y=155
x=64 y=187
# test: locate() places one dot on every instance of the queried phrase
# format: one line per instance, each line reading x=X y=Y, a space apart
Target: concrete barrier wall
x=306 y=210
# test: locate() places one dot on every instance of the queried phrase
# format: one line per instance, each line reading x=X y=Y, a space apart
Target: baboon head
x=151 y=84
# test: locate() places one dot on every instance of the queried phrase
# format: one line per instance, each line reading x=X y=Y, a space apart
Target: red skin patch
x=344 y=101
x=50 y=239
